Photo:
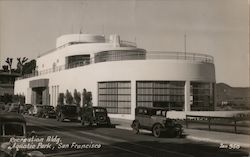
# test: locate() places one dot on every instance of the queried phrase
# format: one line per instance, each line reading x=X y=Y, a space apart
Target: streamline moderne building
x=121 y=76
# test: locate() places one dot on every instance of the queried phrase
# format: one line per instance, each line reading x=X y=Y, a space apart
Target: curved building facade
x=121 y=76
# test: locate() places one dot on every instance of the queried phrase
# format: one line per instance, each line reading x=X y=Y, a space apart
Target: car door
x=144 y=118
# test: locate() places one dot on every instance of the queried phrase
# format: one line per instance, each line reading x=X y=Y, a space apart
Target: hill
x=232 y=98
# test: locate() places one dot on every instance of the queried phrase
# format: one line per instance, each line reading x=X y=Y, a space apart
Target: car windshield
x=49 y=107
x=159 y=113
x=14 y=129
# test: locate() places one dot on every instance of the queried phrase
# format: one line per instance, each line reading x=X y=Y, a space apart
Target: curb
x=196 y=138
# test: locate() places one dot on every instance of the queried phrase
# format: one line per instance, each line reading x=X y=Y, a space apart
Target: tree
x=7 y=98
x=18 y=99
x=60 y=100
x=20 y=64
x=5 y=68
x=77 y=97
x=86 y=98
x=68 y=97
x=29 y=67
x=9 y=62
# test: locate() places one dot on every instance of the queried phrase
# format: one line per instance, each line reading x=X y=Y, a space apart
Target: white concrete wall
x=130 y=70
x=79 y=38
x=182 y=115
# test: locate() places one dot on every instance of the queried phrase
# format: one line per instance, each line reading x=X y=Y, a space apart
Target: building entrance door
x=40 y=91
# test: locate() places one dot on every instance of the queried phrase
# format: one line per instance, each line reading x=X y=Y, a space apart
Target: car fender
x=135 y=121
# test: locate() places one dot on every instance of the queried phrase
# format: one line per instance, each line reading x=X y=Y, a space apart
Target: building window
x=201 y=96
x=117 y=55
x=166 y=94
x=115 y=96
x=78 y=60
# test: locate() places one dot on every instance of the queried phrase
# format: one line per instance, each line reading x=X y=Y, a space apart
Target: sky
x=216 y=27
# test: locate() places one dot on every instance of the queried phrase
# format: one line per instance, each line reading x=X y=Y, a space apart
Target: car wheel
x=58 y=117
x=178 y=134
x=157 y=130
x=90 y=124
x=135 y=127
x=108 y=124
x=61 y=119
x=82 y=122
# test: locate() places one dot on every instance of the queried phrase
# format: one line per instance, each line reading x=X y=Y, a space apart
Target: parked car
x=95 y=116
x=66 y=112
x=35 y=110
x=25 y=108
x=2 y=107
x=155 y=120
x=14 y=125
x=47 y=111
x=14 y=107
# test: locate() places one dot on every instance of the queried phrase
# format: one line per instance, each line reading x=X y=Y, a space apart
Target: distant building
x=121 y=76
x=7 y=83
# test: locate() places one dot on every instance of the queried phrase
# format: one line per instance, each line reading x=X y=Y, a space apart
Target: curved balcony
x=119 y=55
x=135 y=55
x=195 y=57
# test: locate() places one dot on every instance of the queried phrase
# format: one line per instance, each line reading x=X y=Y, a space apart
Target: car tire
x=61 y=119
x=108 y=124
x=58 y=117
x=178 y=134
x=82 y=123
x=90 y=124
x=136 y=127
x=157 y=130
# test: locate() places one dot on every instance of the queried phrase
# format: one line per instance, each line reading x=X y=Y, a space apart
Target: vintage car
x=14 y=125
x=95 y=116
x=24 y=109
x=14 y=107
x=2 y=107
x=47 y=111
x=155 y=120
x=35 y=110
x=66 y=112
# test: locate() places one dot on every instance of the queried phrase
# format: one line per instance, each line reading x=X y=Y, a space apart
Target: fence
x=221 y=123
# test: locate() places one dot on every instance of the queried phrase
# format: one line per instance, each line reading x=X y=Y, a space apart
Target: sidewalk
x=199 y=135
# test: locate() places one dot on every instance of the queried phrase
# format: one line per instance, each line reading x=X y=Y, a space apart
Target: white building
x=121 y=76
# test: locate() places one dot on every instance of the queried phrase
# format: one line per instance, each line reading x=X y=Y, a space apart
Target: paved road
x=106 y=142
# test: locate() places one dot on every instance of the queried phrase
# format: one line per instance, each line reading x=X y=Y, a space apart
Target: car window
x=158 y=113
x=14 y=129
x=69 y=109
x=49 y=107
x=140 y=111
